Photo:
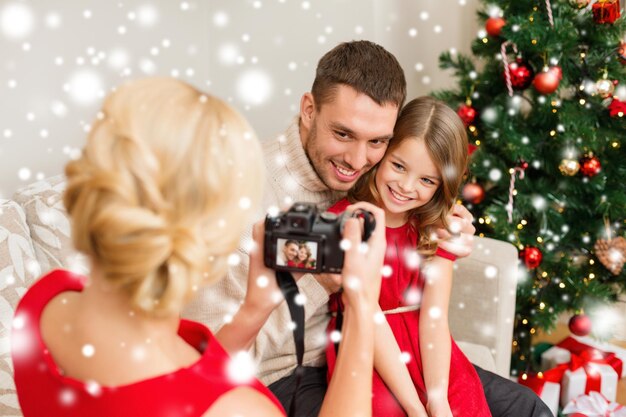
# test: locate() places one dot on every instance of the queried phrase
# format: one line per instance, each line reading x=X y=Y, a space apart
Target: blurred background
x=59 y=58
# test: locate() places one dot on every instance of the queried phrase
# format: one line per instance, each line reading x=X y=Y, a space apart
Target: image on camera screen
x=296 y=253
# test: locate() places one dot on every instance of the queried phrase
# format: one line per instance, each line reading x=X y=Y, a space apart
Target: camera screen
x=296 y=253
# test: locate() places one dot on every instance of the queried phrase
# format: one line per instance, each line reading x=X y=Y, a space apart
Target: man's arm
x=316 y=294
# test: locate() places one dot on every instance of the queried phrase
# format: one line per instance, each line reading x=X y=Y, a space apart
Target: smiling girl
x=420 y=370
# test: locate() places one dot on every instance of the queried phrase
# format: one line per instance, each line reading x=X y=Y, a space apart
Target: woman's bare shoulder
x=243 y=402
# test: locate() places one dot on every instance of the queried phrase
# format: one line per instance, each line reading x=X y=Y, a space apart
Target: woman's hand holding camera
x=361 y=274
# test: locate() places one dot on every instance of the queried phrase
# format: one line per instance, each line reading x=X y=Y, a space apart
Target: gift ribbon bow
x=590 y=354
x=583 y=356
x=594 y=405
x=586 y=361
x=536 y=382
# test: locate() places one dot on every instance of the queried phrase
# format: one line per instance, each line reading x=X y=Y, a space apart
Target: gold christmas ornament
x=611 y=253
x=605 y=88
x=569 y=167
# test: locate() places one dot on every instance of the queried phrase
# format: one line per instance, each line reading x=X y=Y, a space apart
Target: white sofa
x=35 y=238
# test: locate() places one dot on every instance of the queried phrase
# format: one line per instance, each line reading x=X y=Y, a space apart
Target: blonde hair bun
x=155 y=197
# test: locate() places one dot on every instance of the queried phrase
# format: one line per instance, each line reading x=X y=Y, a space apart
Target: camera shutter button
x=328 y=217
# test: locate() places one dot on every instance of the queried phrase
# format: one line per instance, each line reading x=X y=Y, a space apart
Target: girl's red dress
x=403 y=288
x=44 y=391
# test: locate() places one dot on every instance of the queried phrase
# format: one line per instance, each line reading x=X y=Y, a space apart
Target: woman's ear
x=307 y=110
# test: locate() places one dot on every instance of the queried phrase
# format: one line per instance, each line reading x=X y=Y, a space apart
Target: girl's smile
x=407 y=178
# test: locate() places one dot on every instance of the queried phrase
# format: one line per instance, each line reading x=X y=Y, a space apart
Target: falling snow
x=241 y=368
x=245 y=64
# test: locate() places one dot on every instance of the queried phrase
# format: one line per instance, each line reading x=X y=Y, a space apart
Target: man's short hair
x=363 y=65
x=290 y=242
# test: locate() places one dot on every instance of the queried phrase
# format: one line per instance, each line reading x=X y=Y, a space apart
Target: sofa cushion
x=18 y=269
x=482 y=301
x=479 y=355
x=49 y=225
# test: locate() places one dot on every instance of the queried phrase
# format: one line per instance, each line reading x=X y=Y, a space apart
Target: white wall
x=59 y=57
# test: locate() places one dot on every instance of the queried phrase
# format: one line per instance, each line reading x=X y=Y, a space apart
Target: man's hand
x=440 y=408
x=461 y=243
x=330 y=282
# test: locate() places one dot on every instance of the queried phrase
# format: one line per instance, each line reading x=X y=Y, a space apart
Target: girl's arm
x=434 y=334
x=393 y=371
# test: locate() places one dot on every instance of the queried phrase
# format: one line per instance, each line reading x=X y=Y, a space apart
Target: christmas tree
x=544 y=98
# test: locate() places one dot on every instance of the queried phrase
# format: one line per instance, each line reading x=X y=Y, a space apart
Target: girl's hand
x=417 y=411
x=439 y=408
x=262 y=294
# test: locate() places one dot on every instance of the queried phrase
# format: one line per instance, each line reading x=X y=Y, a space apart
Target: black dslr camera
x=302 y=239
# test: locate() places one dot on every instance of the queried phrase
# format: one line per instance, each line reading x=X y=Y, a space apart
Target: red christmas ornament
x=580 y=325
x=531 y=256
x=605 y=11
x=590 y=166
x=473 y=193
x=548 y=81
x=558 y=71
x=494 y=26
x=621 y=53
x=523 y=164
x=471 y=148
x=467 y=113
x=521 y=74
x=617 y=108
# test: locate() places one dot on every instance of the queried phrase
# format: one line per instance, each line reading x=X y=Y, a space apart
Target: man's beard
x=311 y=139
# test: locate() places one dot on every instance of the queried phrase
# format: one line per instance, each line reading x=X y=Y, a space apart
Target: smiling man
x=290 y=252
x=346 y=136
x=342 y=131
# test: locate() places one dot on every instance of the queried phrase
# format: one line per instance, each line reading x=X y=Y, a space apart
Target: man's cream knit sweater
x=289 y=178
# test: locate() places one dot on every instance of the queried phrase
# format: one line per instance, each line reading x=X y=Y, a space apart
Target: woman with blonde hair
x=158 y=201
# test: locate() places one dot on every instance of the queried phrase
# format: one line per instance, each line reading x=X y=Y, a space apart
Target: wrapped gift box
x=587 y=378
x=555 y=356
x=548 y=391
x=619 y=352
x=593 y=405
x=562 y=353
x=606 y=11
x=550 y=395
